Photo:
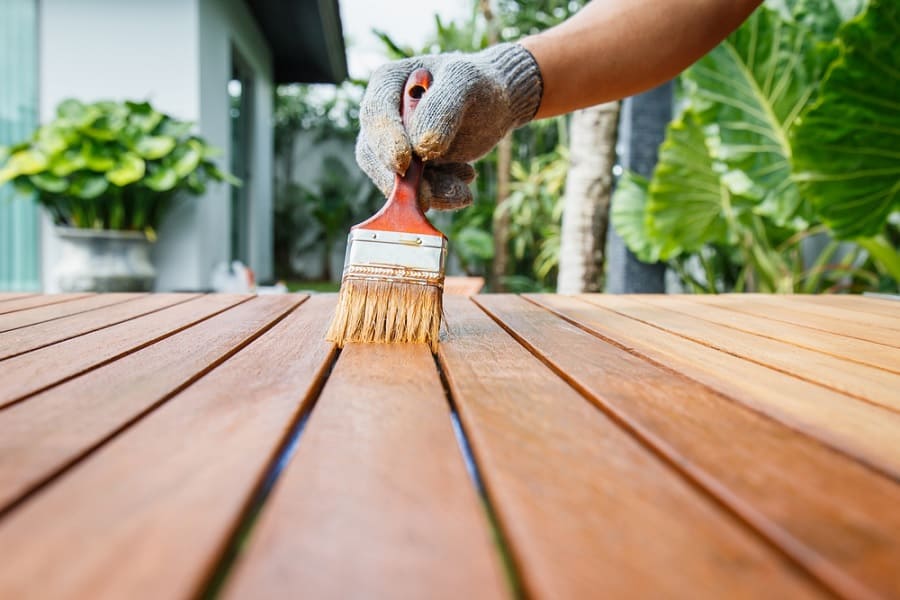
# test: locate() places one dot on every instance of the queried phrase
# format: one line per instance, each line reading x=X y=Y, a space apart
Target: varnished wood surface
x=181 y=446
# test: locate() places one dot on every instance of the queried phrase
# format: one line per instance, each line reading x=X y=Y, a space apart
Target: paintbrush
x=393 y=282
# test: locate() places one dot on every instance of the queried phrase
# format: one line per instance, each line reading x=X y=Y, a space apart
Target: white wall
x=175 y=53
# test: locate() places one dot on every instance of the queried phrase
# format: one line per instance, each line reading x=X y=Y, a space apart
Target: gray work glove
x=474 y=101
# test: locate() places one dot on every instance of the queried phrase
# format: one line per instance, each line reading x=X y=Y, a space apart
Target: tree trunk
x=592 y=152
x=500 y=264
x=501 y=218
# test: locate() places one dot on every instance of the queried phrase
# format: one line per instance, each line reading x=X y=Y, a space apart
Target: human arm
x=608 y=50
x=616 y=48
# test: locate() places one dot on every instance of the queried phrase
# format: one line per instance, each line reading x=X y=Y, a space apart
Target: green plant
x=784 y=133
x=535 y=208
x=110 y=165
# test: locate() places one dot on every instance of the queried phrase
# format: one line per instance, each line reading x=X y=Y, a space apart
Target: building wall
x=225 y=23
x=176 y=54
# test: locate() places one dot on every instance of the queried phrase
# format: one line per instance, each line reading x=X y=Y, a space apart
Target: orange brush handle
x=401 y=212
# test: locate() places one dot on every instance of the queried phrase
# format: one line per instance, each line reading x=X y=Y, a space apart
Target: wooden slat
x=150 y=512
x=863 y=304
x=860 y=381
x=50 y=312
x=37 y=300
x=590 y=512
x=862 y=430
x=463 y=286
x=40 y=437
x=376 y=502
x=34 y=371
x=7 y=296
x=831 y=307
x=830 y=513
x=867 y=353
x=19 y=341
x=779 y=309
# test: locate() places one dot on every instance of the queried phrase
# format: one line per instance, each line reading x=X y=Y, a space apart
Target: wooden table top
x=174 y=446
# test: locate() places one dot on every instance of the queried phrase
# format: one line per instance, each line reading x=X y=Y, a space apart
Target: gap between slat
x=212 y=585
x=744 y=514
x=510 y=568
x=10 y=507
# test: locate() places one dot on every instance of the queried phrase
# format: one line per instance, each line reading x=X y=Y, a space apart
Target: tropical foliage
x=788 y=129
x=312 y=216
x=110 y=165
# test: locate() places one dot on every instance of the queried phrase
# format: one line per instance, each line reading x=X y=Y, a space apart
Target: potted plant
x=106 y=172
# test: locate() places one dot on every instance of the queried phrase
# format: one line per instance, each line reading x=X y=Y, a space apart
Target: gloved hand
x=474 y=101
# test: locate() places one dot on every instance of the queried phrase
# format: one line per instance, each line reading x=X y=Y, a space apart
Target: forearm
x=615 y=48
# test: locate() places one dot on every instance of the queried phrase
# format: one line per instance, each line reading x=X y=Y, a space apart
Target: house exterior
x=213 y=62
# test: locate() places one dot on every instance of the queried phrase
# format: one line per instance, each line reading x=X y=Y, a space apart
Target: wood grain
x=39 y=438
x=152 y=509
x=20 y=341
x=49 y=312
x=33 y=300
x=860 y=381
x=852 y=349
x=463 y=286
x=831 y=307
x=862 y=304
x=864 y=431
x=6 y=296
x=34 y=371
x=861 y=328
x=376 y=502
x=588 y=510
x=831 y=514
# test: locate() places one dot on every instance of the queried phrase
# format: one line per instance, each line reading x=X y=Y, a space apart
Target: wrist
x=517 y=71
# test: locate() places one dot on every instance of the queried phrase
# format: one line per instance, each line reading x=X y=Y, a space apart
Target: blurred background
x=208 y=144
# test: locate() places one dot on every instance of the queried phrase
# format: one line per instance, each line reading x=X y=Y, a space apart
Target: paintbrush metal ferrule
x=395 y=256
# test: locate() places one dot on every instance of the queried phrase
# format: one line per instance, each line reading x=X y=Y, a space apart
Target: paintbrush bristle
x=382 y=311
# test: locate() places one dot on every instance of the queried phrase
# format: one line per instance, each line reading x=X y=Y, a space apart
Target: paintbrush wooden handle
x=401 y=212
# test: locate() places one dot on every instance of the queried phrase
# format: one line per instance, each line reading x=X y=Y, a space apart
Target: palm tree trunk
x=592 y=152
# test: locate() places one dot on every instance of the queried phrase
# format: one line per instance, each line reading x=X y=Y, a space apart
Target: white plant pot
x=95 y=260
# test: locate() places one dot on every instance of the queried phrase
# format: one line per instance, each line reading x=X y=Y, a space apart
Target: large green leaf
x=628 y=215
x=99 y=157
x=847 y=147
x=88 y=186
x=129 y=169
x=153 y=147
x=754 y=86
x=187 y=158
x=688 y=201
x=161 y=179
x=143 y=116
x=68 y=162
x=23 y=162
x=47 y=182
